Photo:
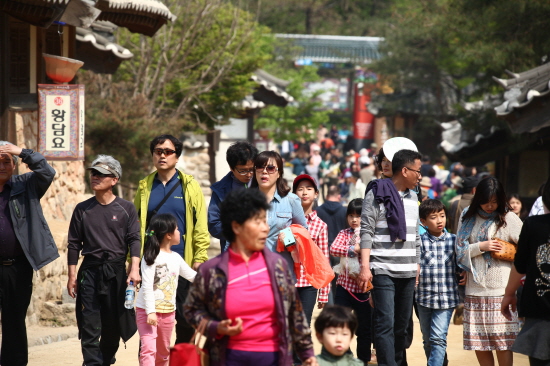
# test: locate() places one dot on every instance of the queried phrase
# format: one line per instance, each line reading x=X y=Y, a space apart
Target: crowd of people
x=400 y=232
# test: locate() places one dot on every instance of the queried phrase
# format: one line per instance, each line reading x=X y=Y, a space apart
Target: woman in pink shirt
x=246 y=295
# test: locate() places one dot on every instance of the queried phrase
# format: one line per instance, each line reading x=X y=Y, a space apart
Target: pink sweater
x=250 y=296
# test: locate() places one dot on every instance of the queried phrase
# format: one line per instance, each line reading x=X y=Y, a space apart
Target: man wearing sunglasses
x=240 y=157
x=105 y=230
x=169 y=190
x=26 y=243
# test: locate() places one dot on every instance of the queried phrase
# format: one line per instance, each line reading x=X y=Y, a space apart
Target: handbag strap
x=199 y=332
x=150 y=214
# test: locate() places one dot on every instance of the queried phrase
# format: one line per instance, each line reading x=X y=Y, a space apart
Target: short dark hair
x=402 y=158
x=261 y=161
x=336 y=316
x=354 y=207
x=469 y=183
x=240 y=153
x=430 y=206
x=333 y=191
x=239 y=206
x=178 y=145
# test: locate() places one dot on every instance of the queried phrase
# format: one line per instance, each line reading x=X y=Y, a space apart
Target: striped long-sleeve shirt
x=397 y=259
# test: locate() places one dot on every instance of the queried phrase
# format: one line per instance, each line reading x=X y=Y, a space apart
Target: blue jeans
x=393 y=303
x=434 y=324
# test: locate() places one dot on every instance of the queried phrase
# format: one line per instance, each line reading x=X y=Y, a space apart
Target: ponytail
x=152 y=248
x=161 y=224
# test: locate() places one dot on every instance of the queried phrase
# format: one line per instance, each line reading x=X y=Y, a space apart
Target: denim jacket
x=29 y=224
x=284 y=211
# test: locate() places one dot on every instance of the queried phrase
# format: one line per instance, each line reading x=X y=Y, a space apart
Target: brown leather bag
x=507 y=253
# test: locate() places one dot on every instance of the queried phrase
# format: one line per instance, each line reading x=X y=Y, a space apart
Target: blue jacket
x=29 y=224
x=220 y=189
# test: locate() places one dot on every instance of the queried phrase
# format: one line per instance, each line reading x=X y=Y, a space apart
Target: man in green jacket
x=168 y=190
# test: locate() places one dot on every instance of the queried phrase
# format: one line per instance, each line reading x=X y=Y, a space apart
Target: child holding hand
x=156 y=301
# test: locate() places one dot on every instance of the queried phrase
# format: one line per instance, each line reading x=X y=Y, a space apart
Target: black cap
x=469 y=183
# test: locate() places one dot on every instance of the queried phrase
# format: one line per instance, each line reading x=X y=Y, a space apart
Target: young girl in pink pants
x=156 y=301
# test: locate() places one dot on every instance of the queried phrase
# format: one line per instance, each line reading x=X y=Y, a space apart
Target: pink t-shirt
x=250 y=296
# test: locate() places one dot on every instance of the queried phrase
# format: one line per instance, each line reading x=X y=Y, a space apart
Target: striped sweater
x=396 y=259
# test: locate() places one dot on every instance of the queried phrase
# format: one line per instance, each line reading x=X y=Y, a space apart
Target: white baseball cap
x=395 y=144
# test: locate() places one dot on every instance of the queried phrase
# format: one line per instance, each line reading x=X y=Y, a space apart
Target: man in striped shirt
x=390 y=246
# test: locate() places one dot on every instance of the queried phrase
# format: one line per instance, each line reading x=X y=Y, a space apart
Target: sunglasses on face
x=270 y=169
x=95 y=173
x=166 y=152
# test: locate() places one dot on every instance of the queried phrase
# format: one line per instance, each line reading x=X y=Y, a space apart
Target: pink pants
x=155 y=340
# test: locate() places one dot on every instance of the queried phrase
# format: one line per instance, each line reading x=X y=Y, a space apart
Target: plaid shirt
x=438 y=287
x=340 y=248
x=319 y=233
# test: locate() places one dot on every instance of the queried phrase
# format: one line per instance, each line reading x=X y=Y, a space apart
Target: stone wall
x=67 y=190
x=58 y=203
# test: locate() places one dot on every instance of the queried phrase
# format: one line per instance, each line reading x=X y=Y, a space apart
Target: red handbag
x=190 y=354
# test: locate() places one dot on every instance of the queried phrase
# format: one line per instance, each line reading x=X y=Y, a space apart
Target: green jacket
x=196 y=237
x=326 y=359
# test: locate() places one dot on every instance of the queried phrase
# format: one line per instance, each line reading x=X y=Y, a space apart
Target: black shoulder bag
x=150 y=214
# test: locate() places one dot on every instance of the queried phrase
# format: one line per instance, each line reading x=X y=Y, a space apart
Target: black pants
x=363 y=312
x=15 y=297
x=100 y=330
x=308 y=297
x=184 y=331
x=536 y=362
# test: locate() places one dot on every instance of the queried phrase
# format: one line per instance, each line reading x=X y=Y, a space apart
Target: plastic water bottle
x=130 y=294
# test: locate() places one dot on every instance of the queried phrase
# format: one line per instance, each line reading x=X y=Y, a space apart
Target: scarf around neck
x=463 y=240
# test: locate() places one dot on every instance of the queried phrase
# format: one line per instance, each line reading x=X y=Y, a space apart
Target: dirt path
x=68 y=352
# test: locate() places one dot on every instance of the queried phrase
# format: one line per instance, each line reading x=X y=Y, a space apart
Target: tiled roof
x=96 y=47
x=523 y=90
x=336 y=49
x=102 y=43
x=272 y=84
x=136 y=7
x=140 y=16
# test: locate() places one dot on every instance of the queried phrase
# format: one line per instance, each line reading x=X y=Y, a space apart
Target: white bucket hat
x=395 y=144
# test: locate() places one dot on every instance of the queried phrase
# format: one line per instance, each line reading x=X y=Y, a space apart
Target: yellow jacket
x=196 y=237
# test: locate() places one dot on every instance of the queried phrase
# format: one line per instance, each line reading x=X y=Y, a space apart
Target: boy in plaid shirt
x=437 y=289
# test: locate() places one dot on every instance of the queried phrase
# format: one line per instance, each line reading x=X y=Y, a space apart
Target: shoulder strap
x=150 y=214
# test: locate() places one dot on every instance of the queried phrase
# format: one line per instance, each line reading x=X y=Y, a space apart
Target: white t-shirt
x=159 y=282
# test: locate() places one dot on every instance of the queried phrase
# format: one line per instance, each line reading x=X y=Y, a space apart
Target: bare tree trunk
x=309 y=15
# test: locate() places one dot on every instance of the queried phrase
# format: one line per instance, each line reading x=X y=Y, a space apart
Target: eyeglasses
x=271 y=169
x=95 y=173
x=166 y=152
x=244 y=171
x=416 y=171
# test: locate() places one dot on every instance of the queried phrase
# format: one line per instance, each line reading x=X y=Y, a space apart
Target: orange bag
x=318 y=271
